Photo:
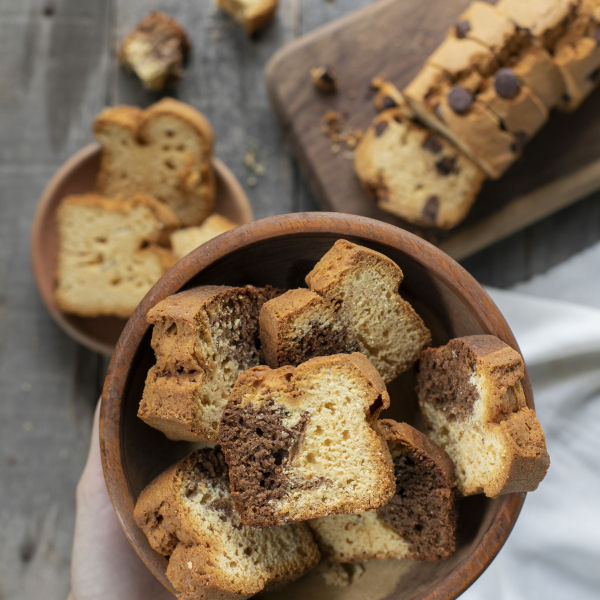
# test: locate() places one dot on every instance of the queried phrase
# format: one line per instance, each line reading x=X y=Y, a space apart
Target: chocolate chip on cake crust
x=460 y=99
x=506 y=83
x=446 y=165
x=432 y=143
x=462 y=28
x=380 y=127
x=431 y=208
x=388 y=102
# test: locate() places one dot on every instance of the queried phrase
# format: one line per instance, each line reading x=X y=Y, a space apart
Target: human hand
x=104 y=565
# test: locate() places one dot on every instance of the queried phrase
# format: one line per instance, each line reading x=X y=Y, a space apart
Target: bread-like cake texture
x=387 y=94
x=365 y=284
x=252 y=15
x=155 y=50
x=186 y=239
x=419 y=522
x=203 y=339
x=485 y=24
x=577 y=55
x=187 y=514
x=300 y=442
x=109 y=252
x=415 y=173
x=164 y=151
x=545 y=20
x=471 y=396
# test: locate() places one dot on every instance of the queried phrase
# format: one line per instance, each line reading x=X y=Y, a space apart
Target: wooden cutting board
x=393 y=38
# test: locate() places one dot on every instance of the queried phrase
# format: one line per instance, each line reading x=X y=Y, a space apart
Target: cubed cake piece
x=301 y=442
x=187 y=514
x=164 y=151
x=155 y=50
x=471 y=397
x=109 y=252
x=415 y=173
x=186 y=239
x=252 y=15
x=352 y=305
x=419 y=522
x=203 y=339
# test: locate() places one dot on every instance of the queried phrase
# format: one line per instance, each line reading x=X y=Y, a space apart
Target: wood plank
x=49 y=384
x=406 y=34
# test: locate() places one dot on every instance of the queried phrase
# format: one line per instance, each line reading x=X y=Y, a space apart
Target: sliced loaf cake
x=471 y=396
x=110 y=253
x=164 y=151
x=187 y=514
x=203 y=339
x=301 y=442
x=419 y=522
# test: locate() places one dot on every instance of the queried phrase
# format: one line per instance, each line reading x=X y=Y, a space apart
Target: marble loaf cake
x=352 y=304
x=203 y=339
x=301 y=442
x=471 y=397
x=187 y=514
x=419 y=522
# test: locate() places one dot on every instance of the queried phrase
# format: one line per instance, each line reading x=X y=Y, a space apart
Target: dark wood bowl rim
x=300 y=224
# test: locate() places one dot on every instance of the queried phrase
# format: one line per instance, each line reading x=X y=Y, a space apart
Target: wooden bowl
x=280 y=251
x=76 y=176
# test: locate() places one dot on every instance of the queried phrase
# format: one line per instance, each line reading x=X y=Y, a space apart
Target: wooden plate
x=78 y=175
x=280 y=251
x=560 y=166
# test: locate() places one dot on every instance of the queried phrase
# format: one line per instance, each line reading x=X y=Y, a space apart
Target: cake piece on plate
x=110 y=252
x=353 y=304
x=471 y=396
x=164 y=151
x=187 y=514
x=419 y=522
x=301 y=442
x=203 y=339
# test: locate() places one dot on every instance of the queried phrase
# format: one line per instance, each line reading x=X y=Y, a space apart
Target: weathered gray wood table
x=57 y=70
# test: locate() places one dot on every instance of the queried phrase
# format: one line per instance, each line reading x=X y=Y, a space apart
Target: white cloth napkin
x=554 y=549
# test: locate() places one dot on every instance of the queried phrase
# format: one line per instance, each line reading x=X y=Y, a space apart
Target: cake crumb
x=324 y=79
x=340 y=575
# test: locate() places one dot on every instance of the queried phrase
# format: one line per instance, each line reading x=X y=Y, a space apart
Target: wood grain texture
x=58 y=69
x=280 y=251
x=546 y=179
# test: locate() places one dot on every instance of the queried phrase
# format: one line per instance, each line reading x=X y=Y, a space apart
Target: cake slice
x=252 y=15
x=353 y=305
x=187 y=514
x=301 y=442
x=414 y=172
x=155 y=50
x=186 y=239
x=419 y=522
x=164 y=151
x=109 y=252
x=203 y=339
x=577 y=55
x=471 y=397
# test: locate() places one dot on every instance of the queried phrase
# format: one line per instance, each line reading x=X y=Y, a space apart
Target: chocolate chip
x=388 y=102
x=446 y=165
x=566 y=98
x=430 y=210
x=380 y=127
x=521 y=139
x=459 y=99
x=594 y=75
x=432 y=143
x=506 y=83
x=462 y=28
